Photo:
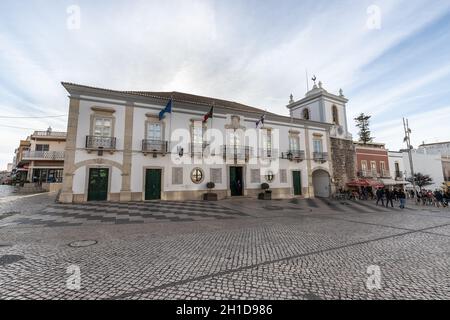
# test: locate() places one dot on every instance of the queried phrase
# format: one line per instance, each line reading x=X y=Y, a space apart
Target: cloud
x=251 y=52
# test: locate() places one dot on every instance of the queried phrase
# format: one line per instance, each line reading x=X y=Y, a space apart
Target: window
x=317 y=145
x=177 y=175
x=42 y=147
x=306 y=114
x=102 y=127
x=234 y=139
x=373 y=167
x=197 y=175
x=294 y=142
x=335 y=115
x=197 y=132
x=154 y=131
x=364 y=165
x=267 y=142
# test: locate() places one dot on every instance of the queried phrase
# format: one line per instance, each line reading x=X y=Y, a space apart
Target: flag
x=208 y=115
x=167 y=109
x=261 y=120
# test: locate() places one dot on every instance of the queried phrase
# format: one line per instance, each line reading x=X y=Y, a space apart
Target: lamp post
x=407 y=139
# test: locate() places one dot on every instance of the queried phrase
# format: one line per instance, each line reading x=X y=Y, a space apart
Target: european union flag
x=167 y=109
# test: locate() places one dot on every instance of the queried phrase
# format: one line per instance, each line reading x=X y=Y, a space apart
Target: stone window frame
x=104 y=113
x=202 y=175
x=294 y=135
x=153 y=118
x=204 y=128
x=317 y=138
x=362 y=167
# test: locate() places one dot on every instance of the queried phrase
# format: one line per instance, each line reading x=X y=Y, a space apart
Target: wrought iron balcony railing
x=43 y=155
x=237 y=152
x=398 y=175
x=268 y=153
x=199 y=148
x=98 y=142
x=293 y=155
x=320 y=156
x=154 y=146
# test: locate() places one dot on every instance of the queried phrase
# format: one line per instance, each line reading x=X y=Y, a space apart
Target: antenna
x=307 y=80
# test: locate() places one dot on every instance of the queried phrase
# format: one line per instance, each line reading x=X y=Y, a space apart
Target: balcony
x=43 y=155
x=98 y=142
x=320 y=156
x=199 y=149
x=293 y=155
x=237 y=153
x=154 y=146
x=398 y=175
x=268 y=153
x=385 y=174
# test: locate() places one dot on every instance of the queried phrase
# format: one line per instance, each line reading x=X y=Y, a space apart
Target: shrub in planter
x=210 y=196
x=267 y=194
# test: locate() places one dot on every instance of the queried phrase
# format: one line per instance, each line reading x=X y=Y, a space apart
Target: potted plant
x=210 y=196
x=266 y=194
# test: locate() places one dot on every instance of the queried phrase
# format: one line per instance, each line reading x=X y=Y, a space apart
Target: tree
x=421 y=180
x=362 y=122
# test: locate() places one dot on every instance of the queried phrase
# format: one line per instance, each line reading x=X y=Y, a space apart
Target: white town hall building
x=120 y=148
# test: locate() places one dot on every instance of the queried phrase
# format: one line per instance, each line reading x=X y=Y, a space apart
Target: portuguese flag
x=208 y=115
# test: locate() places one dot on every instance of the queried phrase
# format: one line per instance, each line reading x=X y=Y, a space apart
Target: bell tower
x=321 y=106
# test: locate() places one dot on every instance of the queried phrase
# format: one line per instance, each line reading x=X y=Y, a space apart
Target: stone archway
x=321 y=183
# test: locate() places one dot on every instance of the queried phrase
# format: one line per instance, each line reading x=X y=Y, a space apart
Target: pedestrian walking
x=379 y=193
x=389 y=195
x=402 y=198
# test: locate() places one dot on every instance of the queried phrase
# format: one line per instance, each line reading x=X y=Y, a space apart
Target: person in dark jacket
x=379 y=193
x=389 y=196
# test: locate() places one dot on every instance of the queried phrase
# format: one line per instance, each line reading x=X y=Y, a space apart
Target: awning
x=392 y=182
x=365 y=183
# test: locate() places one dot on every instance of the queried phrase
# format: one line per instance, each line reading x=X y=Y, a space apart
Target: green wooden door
x=98 y=184
x=236 y=183
x=297 y=181
x=153 y=184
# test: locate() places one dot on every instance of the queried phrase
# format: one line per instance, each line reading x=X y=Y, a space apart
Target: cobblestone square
x=231 y=249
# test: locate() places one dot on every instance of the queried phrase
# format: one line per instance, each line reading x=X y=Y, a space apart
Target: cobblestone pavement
x=287 y=249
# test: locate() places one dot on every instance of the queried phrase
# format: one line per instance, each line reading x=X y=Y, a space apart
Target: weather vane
x=314 y=79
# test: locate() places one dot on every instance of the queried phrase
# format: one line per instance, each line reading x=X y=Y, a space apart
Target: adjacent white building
x=119 y=149
x=425 y=163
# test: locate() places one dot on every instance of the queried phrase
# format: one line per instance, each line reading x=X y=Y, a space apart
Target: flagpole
x=170 y=122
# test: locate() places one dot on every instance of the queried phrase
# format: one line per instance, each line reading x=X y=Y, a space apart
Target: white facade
x=128 y=165
x=427 y=164
x=396 y=165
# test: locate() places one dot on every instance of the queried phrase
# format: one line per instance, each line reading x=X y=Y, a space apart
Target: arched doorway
x=321 y=183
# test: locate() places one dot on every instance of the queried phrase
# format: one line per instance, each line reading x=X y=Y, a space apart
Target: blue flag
x=167 y=109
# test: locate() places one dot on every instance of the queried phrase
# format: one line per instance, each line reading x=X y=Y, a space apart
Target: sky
x=391 y=58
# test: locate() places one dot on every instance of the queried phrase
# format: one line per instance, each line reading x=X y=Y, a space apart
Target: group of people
x=390 y=196
x=437 y=198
